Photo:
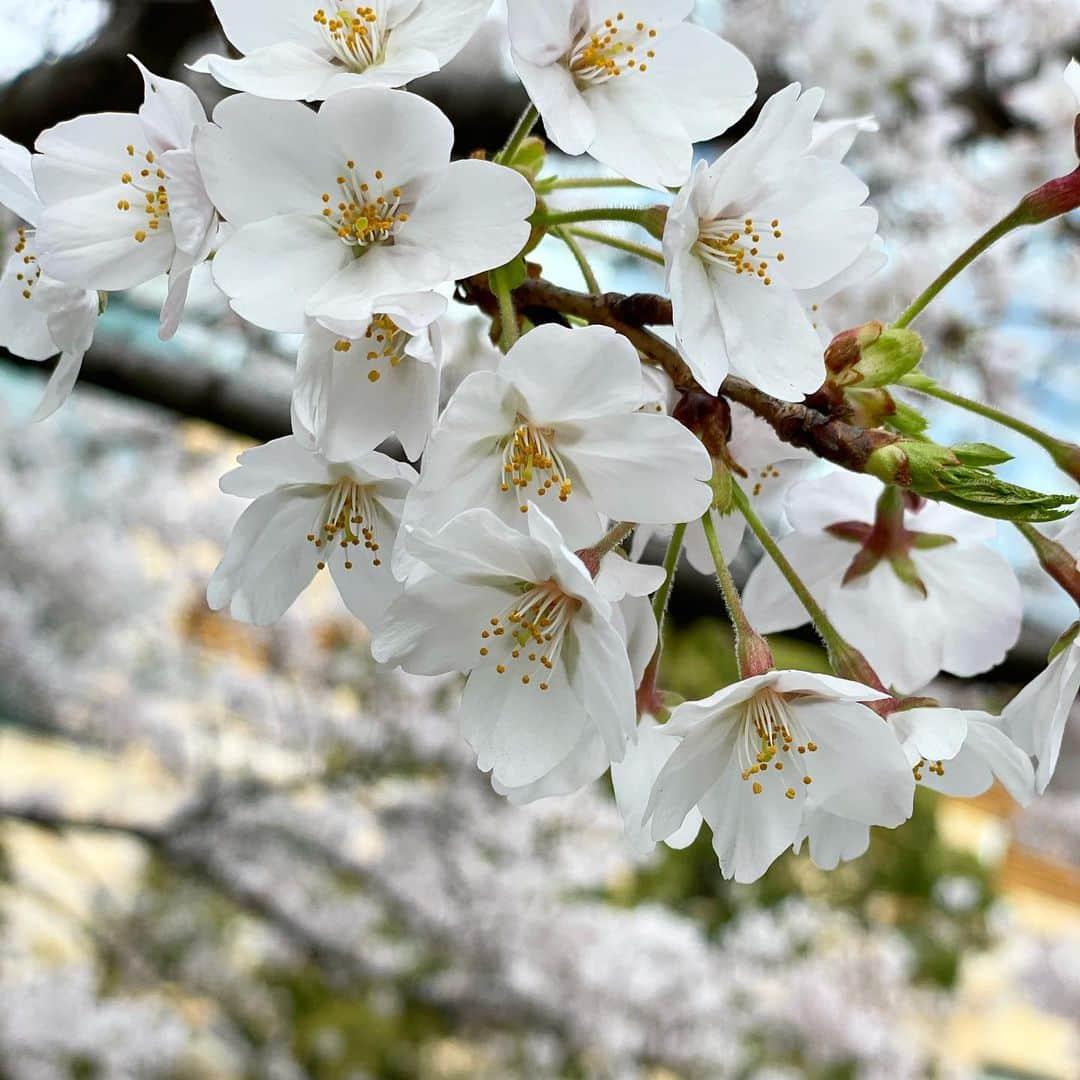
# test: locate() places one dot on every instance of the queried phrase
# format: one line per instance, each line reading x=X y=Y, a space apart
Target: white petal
x=281 y=143
x=574 y=374
x=1009 y=764
x=542 y=33
x=277 y=20
x=170 y=113
x=441 y=27
x=586 y=762
x=1072 y=79
x=17 y=190
x=85 y=155
x=60 y=384
x=191 y=213
x=475 y=217
x=619 y=578
x=368 y=590
x=286 y=71
x=272 y=268
x=274 y=464
x=640 y=467
x=698 y=329
x=730 y=530
x=837 y=496
x=24 y=328
x=833 y=839
x=568 y=119
x=706 y=81
x=931 y=733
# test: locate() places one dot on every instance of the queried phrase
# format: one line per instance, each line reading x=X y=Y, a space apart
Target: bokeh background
x=228 y=852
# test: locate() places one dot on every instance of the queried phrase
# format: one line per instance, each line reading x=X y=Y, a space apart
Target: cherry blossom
x=756 y=755
x=558 y=423
x=635 y=86
x=39 y=316
x=917 y=588
x=310 y=514
x=123 y=199
x=520 y=612
x=360 y=381
x=765 y=223
x=303 y=51
x=353 y=203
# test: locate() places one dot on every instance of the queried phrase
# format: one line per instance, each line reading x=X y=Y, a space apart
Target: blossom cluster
x=496 y=549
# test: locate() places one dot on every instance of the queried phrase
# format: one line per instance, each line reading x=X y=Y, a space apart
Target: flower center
x=741 y=247
x=30 y=272
x=150 y=202
x=365 y=211
x=354 y=37
x=385 y=342
x=609 y=49
x=935 y=767
x=772 y=739
x=529 y=634
x=348 y=517
x=530 y=456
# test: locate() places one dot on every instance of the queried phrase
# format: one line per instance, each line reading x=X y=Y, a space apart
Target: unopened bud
x=754 y=655
x=530 y=157
x=1054 y=198
x=872 y=356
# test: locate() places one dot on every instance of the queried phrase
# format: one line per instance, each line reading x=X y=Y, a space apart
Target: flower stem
x=1005 y=226
x=631 y=214
x=567 y=237
x=671 y=562
x=754 y=655
x=610 y=540
x=508 y=318
x=844 y=658
x=521 y=132
x=1066 y=455
x=640 y=250
x=571 y=183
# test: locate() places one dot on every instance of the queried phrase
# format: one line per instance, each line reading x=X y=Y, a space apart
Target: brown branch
x=801 y=425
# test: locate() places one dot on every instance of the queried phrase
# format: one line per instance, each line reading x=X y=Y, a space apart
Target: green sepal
x=981 y=454
x=1064 y=642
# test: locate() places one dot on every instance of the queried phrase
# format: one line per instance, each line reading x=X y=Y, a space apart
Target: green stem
x=572 y=183
x=671 y=561
x=610 y=540
x=1005 y=226
x=631 y=214
x=640 y=250
x=841 y=654
x=1066 y=455
x=581 y=259
x=521 y=132
x=508 y=318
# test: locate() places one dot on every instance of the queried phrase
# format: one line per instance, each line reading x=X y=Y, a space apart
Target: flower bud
x=529 y=158
x=1054 y=198
x=872 y=356
x=1057 y=561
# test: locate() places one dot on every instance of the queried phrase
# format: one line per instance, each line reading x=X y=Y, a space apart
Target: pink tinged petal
x=170 y=113
x=633 y=779
x=277 y=20
x=981 y=602
x=280 y=143
x=568 y=119
x=769 y=339
x=586 y=762
x=707 y=82
x=637 y=133
x=700 y=761
x=270 y=270
x=440 y=27
x=599 y=669
x=85 y=155
x=268 y=561
x=519 y=732
x=640 y=467
x=284 y=71
x=402 y=135
x=90 y=242
x=749 y=831
x=17 y=190
x=768 y=599
x=474 y=217
x=577 y=374
x=543 y=33
x=24 y=328
x=833 y=839
x=859 y=770
x=1036 y=717
x=272 y=465
x=61 y=383
x=900 y=632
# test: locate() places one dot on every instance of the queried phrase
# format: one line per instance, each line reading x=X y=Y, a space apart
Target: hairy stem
x=631 y=214
x=572 y=183
x=567 y=237
x=642 y=251
x=521 y=132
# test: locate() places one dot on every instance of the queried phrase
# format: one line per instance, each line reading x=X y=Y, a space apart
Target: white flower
x=360 y=381
x=310 y=513
x=1072 y=79
x=123 y=198
x=335 y=209
x=558 y=423
x=756 y=755
x=39 y=316
x=519 y=611
x=918 y=594
x=770 y=466
x=748 y=236
x=1037 y=716
x=299 y=51
x=634 y=84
